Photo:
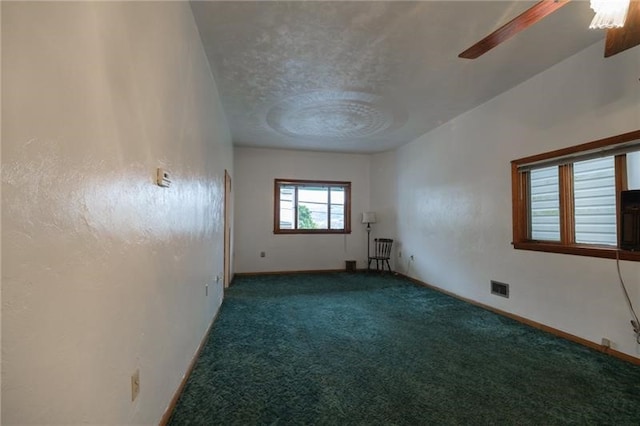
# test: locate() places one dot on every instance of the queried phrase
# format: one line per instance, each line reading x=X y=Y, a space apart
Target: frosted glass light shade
x=609 y=13
x=368 y=217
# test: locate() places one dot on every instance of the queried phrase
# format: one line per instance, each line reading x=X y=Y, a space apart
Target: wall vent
x=500 y=289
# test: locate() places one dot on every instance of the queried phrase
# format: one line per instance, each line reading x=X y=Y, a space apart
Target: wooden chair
x=381 y=253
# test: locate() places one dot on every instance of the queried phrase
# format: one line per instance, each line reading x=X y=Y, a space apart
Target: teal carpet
x=367 y=349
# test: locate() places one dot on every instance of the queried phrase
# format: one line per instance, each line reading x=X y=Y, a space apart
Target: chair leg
x=388 y=266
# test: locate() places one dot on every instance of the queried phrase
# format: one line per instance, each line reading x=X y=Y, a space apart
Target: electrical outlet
x=135 y=384
x=606 y=342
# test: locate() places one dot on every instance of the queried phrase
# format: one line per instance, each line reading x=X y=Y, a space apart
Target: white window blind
x=545 y=204
x=594 y=189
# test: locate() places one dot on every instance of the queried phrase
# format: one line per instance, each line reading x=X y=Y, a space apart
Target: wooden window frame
x=567 y=244
x=299 y=183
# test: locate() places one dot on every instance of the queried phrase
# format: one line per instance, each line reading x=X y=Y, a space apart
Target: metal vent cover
x=500 y=289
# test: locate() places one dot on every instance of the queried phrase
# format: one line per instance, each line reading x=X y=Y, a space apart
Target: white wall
x=0 y=224
x=255 y=171
x=104 y=272
x=454 y=198
x=383 y=190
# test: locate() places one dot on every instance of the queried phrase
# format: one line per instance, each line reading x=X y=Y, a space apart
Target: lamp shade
x=368 y=217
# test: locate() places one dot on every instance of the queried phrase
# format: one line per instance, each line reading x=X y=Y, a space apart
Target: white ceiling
x=369 y=76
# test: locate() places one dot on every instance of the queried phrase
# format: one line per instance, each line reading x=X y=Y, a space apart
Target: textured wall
x=103 y=272
x=454 y=198
x=255 y=171
x=383 y=189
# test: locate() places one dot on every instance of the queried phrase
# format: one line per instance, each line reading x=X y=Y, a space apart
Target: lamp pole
x=368 y=244
x=368 y=218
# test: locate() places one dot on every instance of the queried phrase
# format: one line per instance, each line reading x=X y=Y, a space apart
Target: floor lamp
x=368 y=218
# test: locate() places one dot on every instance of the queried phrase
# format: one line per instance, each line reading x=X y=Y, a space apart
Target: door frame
x=227 y=276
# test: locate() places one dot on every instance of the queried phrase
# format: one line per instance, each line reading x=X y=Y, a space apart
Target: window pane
x=594 y=187
x=633 y=170
x=545 y=204
x=286 y=207
x=312 y=207
x=337 y=208
x=307 y=207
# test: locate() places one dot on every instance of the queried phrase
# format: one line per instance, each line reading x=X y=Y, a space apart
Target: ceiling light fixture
x=609 y=13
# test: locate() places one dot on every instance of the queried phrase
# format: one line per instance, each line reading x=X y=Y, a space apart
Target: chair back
x=382 y=248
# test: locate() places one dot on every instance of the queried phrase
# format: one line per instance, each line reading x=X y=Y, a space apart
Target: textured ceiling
x=369 y=76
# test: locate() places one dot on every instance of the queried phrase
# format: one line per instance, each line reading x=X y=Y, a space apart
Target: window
x=312 y=207
x=566 y=201
x=545 y=204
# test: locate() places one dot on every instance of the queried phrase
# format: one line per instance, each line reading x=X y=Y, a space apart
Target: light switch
x=163 y=178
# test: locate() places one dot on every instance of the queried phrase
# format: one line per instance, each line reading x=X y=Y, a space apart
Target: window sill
x=579 y=250
x=311 y=231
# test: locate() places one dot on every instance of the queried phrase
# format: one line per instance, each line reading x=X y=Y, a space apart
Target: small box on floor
x=350 y=265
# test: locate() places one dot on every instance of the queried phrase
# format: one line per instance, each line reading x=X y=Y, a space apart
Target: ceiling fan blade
x=619 y=39
x=519 y=23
